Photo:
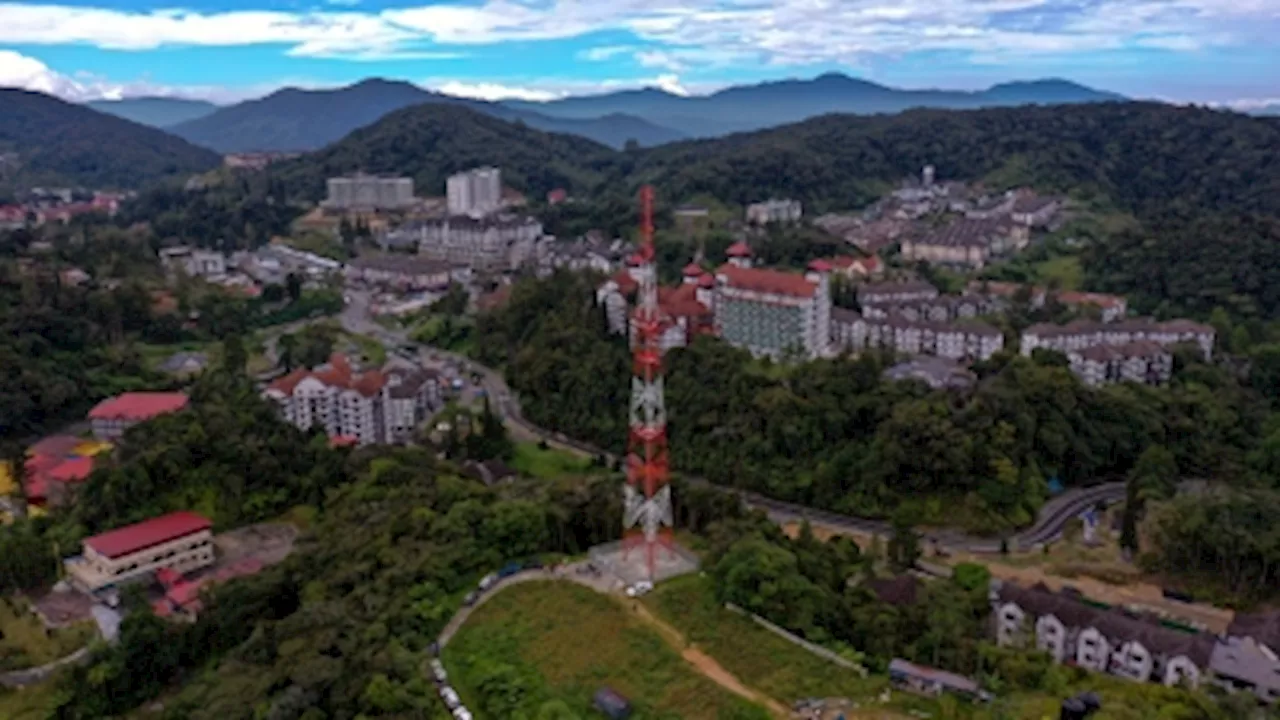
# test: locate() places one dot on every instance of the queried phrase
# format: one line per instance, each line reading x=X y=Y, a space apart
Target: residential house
x=1031 y=210
x=1140 y=361
x=372 y=406
x=774 y=211
x=182 y=541
x=932 y=682
x=1110 y=307
x=185 y=364
x=942 y=308
x=936 y=372
x=992 y=207
x=113 y=416
x=1098 y=638
x=966 y=243
x=1080 y=334
x=893 y=293
x=405 y=272
x=493 y=243
x=206 y=264
x=857 y=268
x=960 y=341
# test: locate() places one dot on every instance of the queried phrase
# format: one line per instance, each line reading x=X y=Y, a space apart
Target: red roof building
x=771 y=282
x=738 y=250
x=111 y=417
x=147 y=534
x=75 y=470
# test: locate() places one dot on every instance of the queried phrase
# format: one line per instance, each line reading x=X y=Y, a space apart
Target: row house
x=774 y=211
x=895 y=293
x=584 y=254
x=966 y=243
x=943 y=308
x=374 y=406
x=1100 y=639
x=1110 y=308
x=1080 y=334
x=405 y=272
x=1141 y=361
x=1031 y=210
x=965 y=340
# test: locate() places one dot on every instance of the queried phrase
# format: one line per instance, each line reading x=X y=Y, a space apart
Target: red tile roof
x=138 y=406
x=739 y=249
x=681 y=301
x=72 y=471
x=342 y=441
x=149 y=533
x=55 y=445
x=767 y=281
x=626 y=284
x=693 y=270
x=707 y=281
x=337 y=373
x=635 y=260
x=866 y=265
x=1088 y=298
x=820 y=266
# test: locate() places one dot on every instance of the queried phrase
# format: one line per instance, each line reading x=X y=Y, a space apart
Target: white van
x=450 y=697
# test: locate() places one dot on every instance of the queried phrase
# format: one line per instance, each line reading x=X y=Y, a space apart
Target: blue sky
x=1216 y=51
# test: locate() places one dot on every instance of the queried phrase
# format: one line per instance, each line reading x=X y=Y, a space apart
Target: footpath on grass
x=704 y=664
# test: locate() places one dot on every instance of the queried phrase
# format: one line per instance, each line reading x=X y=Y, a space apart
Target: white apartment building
x=1141 y=361
x=967 y=243
x=475 y=193
x=1102 y=640
x=772 y=313
x=496 y=243
x=963 y=340
x=350 y=404
x=894 y=293
x=193 y=263
x=1081 y=334
x=369 y=192
x=774 y=211
x=182 y=541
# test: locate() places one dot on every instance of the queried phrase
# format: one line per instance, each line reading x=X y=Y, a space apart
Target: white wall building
x=1081 y=334
x=963 y=340
x=347 y=404
x=369 y=192
x=405 y=272
x=206 y=264
x=774 y=211
x=476 y=192
x=497 y=243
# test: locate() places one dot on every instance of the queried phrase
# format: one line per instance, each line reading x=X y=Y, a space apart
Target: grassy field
x=564 y=642
x=25 y=643
x=1064 y=269
x=756 y=656
x=32 y=703
x=547 y=464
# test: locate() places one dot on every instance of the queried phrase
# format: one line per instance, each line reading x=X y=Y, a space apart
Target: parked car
x=509 y=569
x=437 y=672
x=450 y=697
x=640 y=588
x=471 y=598
x=487 y=581
x=461 y=713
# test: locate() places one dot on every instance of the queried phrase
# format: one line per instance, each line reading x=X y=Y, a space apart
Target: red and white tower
x=647 y=515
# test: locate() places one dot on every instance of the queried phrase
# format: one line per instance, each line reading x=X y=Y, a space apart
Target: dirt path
x=706 y=664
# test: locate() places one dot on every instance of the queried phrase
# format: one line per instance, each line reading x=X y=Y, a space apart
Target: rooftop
x=138 y=406
x=766 y=281
x=148 y=533
x=336 y=373
x=738 y=249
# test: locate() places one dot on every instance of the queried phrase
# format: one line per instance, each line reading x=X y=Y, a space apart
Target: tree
x=904 y=541
x=293 y=286
x=234 y=355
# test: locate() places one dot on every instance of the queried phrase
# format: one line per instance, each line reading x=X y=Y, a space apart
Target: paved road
x=1048 y=527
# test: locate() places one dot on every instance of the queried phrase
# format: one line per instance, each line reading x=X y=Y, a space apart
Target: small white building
x=182 y=541
x=774 y=211
x=194 y=263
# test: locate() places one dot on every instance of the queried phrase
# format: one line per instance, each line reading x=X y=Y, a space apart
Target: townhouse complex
x=371 y=406
x=1138 y=647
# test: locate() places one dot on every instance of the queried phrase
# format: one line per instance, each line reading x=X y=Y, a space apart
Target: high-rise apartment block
x=369 y=192
x=476 y=192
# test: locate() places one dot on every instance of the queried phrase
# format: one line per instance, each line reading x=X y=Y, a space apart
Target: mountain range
x=754 y=107
x=296 y=119
x=301 y=120
x=158 y=112
x=47 y=141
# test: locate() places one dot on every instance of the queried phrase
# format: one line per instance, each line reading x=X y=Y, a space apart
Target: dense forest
x=830 y=433
x=62 y=144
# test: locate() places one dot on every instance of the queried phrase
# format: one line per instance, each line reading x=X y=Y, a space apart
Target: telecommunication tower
x=647 y=516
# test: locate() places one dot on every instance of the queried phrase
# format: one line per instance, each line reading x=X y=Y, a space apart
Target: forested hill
x=1143 y=156
x=431 y=142
x=46 y=141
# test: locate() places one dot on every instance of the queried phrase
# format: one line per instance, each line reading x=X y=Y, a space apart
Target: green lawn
x=547 y=464
x=25 y=643
x=1065 y=269
x=371 y=349
x=756 y=656
x=32 y=703
x=547 y=642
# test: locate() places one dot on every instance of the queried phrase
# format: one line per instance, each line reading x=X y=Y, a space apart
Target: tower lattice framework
x=647 y=515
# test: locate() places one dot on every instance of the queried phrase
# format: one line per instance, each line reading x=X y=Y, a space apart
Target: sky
x=1205 y=51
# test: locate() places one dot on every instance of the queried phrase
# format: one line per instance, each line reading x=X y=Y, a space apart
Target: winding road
x=1052 y=518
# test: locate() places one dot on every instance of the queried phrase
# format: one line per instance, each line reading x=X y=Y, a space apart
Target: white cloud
x=493 y=91
x=678 y=35
x=28 y=73
x=1250 y=104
